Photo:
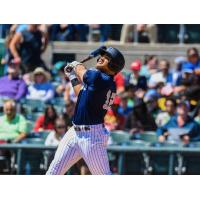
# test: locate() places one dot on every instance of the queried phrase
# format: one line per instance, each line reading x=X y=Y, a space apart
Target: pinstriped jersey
x=96 y=96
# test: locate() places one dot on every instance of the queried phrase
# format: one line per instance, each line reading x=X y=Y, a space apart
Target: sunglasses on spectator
x=60 y=127
x=193 y=55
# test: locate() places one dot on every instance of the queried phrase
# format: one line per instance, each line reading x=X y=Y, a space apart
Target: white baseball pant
x=89 y=145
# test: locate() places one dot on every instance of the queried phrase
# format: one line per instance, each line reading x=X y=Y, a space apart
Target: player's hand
x=70 y=66
x=68 y=69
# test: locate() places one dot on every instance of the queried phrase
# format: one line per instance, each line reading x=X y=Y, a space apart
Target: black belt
x=82 y=128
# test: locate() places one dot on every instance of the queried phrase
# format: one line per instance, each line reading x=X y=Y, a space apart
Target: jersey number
x=109 y=100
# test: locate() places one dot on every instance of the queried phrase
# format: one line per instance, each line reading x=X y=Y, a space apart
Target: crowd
x=142 y=33
x=159 y=98
x=154 y=96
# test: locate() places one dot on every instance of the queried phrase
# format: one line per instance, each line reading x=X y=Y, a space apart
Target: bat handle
x=86 y=59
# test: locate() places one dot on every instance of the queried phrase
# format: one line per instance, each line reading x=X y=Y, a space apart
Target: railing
x=174 y=155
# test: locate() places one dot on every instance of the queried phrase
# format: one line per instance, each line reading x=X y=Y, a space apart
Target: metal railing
x=172 y=153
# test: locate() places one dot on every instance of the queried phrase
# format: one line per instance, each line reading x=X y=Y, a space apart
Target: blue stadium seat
x=120 y=137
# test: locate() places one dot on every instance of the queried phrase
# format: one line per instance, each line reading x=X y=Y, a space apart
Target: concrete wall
x=130 y=51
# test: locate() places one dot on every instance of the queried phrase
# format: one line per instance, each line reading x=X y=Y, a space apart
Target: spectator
x=113 y=119
x=63 y=32
x=120 y=82
x=60 y=77
x=179 y=61
x=13 y=126
x=151 y=99
x=124 y=109
x=27 y=47
x=140 y=120
x=180 y=127
x=54 y=138
x=57 y=133
x=69 y=113
x=163 y=76
x=145 y=33
x=143 y=36
x=135 y=79
x=150 y=66
x=193 y=58
x=41 y=88
x=64 y=88
x=197 y=118
x=186 y=79
x=103 y=31
x=163 y=117
x=46 y=121
x=12 y=86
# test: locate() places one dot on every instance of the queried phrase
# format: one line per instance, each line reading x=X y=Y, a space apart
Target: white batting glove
x=70 y=67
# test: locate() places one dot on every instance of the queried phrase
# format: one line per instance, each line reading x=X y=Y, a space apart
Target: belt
x=82 y=128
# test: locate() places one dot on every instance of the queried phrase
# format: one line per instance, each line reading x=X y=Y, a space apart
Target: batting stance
x=87 y=138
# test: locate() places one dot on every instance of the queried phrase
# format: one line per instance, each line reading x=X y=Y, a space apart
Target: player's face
x=102 y=62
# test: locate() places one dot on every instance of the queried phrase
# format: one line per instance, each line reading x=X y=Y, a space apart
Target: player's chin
x=99 y=66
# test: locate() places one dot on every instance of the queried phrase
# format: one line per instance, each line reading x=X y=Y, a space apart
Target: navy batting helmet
x=117 y=59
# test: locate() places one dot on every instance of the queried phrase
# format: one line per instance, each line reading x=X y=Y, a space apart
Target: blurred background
x=154 y=121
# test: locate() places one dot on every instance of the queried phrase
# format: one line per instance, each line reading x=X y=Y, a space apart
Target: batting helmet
x=117 y=61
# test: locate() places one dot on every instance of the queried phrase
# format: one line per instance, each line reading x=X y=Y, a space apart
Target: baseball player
x=87 y=138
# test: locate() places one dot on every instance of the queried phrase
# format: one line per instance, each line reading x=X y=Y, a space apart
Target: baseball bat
x=92 y=54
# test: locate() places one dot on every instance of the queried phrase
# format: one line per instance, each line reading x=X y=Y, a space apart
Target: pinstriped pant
x=89 y=145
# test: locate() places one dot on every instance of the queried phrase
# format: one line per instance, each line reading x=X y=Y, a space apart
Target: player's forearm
x=75 y=71
x=77 y=89
x=80 y=71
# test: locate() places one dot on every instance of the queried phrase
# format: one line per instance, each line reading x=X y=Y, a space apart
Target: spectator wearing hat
x=186 y=78
x=11 y=85
x=41 y=88
x=13 y=125
x=135 y=79
x=180 y=127
x=163 y=76
x=140 y=119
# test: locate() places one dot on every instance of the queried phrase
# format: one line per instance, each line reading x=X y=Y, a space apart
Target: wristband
x=75 y=82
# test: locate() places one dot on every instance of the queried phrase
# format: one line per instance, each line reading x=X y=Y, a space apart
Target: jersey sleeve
x=96 y=79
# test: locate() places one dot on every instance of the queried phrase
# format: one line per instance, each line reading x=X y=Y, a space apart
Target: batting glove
x=70 y=67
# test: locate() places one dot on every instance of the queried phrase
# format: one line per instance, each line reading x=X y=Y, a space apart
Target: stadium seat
x=58 y=101
x=31 y=105
x=139 y=143
x=34 y=141
x=148 y=137
x=34 y=116
x=120 y=137
x=2 y=51
x=30 y=126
